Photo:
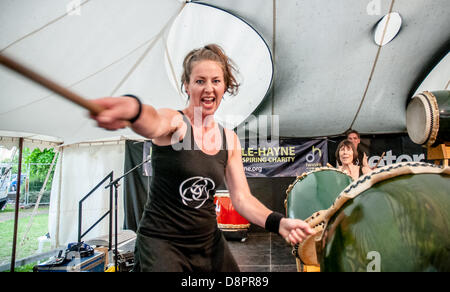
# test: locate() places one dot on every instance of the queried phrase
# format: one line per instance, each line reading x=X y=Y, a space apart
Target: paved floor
x=263 y=252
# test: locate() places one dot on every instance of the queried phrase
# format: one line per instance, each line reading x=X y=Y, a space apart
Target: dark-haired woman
x=346 y=157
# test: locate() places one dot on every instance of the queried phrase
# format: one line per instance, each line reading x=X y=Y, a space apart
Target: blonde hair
x=211 y=52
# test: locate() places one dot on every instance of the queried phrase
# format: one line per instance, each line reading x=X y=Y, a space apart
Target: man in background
x=354 y=137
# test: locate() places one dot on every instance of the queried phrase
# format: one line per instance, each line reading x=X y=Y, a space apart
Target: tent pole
x=16 y=211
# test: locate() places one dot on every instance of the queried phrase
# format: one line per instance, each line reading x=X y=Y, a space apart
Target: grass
x=9 y=208
x=39 y=228
x=25 y=268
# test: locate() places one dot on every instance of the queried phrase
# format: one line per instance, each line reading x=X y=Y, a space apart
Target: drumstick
x=379 y=160
x=95 y=109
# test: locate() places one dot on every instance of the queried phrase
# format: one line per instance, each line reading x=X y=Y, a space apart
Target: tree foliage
x=39 y=162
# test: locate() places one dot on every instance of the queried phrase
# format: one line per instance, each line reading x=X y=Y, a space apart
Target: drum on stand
x=232 y=224
x=310 y=193
x=428 y=118
x=393 y=219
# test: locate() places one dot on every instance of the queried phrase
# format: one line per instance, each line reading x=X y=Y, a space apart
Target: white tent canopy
x=11 y=139
x=103 y=58
x=312 y=63
x=329 y=73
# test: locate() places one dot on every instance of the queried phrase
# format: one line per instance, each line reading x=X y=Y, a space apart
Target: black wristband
x=273 y=222
x=136 y=117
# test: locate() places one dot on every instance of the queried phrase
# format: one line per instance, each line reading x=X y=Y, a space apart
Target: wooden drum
x=310 y=193
x=228 y=219
x=395 y=218
x=428 y=118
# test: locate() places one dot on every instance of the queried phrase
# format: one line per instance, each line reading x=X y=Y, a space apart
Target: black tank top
x=180 y=205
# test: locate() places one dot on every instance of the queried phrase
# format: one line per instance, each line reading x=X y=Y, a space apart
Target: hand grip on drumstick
x=93 y=108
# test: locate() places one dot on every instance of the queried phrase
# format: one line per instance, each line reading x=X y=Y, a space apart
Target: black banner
x=288 y=157
x=396 y=148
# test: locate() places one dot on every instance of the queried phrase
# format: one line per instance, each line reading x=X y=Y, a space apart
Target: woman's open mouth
x=208 y=101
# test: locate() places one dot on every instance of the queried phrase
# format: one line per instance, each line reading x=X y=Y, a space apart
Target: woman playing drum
x=192 y=154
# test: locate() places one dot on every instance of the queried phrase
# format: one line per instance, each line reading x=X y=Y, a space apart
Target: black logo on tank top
x=194 y=191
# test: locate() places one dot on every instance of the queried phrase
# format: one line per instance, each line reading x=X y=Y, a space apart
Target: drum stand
x=438 y=153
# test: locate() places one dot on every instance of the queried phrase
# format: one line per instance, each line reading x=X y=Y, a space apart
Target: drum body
x=401 y=223
x=312 y=192
x=228 y=219
x=315 y=191
x=428 y=118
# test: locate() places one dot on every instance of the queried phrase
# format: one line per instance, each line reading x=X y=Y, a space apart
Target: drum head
x=418 y=121
x=422 y=119
x=315 y=191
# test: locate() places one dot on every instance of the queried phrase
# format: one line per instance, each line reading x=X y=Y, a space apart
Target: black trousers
x=161 y=255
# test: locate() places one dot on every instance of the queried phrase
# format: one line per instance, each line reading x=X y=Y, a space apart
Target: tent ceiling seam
x=373 y=68
x=83 y=79
x=133 y=68
x=25 y=105
x=39 y=29
x=150 y=47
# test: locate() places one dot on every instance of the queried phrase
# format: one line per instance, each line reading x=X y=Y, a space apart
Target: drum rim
x=233 y=226
x=306 y=250
x=367 y=181
x=431 y=118
x=222 y=194
x=304 y=175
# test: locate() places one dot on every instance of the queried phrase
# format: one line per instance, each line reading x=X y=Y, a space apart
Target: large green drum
x=314 y=191
x=428 y=118
x=396 y=218
x=306 y=197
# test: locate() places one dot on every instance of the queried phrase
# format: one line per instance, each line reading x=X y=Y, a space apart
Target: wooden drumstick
x=95 y=109
x=379 y=160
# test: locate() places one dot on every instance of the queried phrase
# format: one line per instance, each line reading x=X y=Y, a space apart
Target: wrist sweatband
x=136 y=117
x=273 y=222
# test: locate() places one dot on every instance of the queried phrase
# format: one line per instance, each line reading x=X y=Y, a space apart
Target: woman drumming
x=346 y=156
x=192 y=154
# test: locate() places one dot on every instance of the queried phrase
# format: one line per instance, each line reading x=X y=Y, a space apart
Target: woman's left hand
x=294 y=230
